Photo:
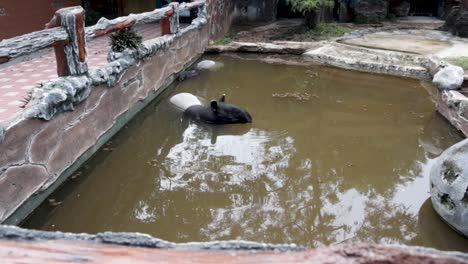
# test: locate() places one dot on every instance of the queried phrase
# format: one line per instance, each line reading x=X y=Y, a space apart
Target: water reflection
x=203 y=164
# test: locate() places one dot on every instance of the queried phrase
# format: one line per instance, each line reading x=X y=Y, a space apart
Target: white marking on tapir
x=205 y=65
x=184 y=101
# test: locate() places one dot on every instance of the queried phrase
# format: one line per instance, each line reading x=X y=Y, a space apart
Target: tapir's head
x=228 y=113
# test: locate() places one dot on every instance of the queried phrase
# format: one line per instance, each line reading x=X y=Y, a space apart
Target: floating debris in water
x=53 y=202
x=153 y=162
x=298 y=96
x=76 y=175
x=109 y=146
x=312 y=74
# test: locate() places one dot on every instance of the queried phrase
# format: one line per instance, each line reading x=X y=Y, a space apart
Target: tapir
x=217 y=112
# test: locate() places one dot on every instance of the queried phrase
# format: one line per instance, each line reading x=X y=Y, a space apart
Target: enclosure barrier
x=36 y=157
x=68 y=36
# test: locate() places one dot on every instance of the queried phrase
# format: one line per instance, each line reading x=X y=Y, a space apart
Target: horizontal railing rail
x=32 y=42
x=105 y=26
x=191 y=5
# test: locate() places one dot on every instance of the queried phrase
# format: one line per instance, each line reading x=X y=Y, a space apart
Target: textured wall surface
x=21 y=17
x=222 y=14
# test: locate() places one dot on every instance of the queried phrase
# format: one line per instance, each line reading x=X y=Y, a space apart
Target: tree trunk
x=317 y=16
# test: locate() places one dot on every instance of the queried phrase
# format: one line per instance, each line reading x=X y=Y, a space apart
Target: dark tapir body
x=217 y=112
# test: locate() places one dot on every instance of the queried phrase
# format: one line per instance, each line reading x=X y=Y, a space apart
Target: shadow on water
x=332 y=156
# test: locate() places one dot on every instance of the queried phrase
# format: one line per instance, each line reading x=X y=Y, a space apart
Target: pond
x=332 y=156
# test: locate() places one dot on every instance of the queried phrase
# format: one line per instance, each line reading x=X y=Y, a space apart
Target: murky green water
x=344 y=156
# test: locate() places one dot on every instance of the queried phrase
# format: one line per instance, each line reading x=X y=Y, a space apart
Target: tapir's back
x=184 y=100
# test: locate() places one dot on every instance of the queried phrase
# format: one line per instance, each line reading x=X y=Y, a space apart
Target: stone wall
x=222 y=14
x=37 y=156
x=21 y=17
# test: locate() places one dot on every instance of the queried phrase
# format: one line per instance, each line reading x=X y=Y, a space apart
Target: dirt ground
x=294 y=29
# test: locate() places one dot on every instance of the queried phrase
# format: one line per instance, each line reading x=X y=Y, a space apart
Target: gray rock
x=206 y=64
x=449 y=78
x=449 y=186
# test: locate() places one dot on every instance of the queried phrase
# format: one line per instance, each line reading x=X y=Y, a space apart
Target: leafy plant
x=126 y=38
x=226 y=39
x=304 y=6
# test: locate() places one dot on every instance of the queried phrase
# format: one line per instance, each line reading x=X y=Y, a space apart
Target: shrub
x=226 y=39
x=126 y=38
x=305 y=6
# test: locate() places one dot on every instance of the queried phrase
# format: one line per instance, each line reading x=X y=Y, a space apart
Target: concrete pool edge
x=22 y=244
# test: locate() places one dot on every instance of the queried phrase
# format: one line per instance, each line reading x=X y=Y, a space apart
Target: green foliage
x=91 y=17
x=226 y=39
x=304 y=6
x=126 y=38
x=459 y=61
x=324 y=31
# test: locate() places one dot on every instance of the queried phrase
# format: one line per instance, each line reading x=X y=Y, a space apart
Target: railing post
x=71 y=56
x=174 y=19
x=202 y=11
x=170 y=23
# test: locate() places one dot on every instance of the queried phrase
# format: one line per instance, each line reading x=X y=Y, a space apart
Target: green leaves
x=305 y=6
x=126 y=38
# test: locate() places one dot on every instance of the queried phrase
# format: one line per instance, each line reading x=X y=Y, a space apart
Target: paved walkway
x=418 y=41
x=17 y=80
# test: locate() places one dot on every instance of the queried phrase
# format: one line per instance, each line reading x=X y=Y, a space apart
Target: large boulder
x=370 y=11
x=449 y=186
x=449 y=78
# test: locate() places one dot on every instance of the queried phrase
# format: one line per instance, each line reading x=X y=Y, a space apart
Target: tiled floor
x=18 y=79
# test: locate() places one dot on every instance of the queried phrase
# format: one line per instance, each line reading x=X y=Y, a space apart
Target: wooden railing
x=30 y=43
x=67 y=34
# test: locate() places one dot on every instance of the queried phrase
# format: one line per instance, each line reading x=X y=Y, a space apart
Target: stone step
x=370 y=60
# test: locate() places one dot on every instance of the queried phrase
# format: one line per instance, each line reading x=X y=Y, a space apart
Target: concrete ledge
x=277 y=47
x=25 y=246
x=370 y=60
